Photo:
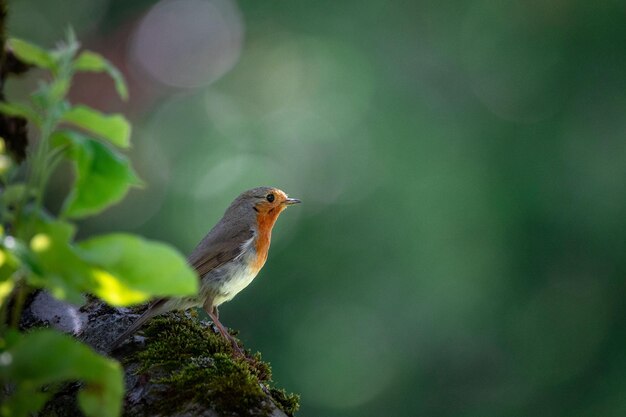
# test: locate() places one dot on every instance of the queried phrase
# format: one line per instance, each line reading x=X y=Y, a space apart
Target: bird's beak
x=290 y=201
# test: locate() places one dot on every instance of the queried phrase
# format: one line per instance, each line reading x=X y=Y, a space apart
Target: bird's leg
x=223 y=331
x=227 y=335
x=214 y=314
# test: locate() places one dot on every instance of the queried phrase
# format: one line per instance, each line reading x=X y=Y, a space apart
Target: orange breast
x=265 y=222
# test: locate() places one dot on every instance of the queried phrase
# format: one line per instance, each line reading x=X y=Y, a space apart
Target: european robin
x=228 y=258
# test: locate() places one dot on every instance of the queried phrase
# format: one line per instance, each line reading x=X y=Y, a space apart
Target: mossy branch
x=177 y=365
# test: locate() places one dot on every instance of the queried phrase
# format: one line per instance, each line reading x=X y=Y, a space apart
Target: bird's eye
x=270 y=197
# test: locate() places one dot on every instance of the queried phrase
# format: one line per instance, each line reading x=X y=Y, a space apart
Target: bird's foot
x=238 y=351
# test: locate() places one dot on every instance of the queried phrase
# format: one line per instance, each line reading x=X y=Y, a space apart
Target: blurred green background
x=461 y=249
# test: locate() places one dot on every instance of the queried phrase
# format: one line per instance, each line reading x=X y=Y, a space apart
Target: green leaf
x=9 y=263
x=12 y=194
x=6 y=286
x=93 y=62
x=32 y=54
x=5 y=165
x=132 y=269
x=114 y=128
x=20 y=110
x=54 y=264
x=44 y=356
x=103 y=176
x=58 y=90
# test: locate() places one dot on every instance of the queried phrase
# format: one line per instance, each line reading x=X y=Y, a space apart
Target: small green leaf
x=6 y=164
x=20 y=110
x=58 y=90
x=12 y=194
x=130 y=269
x=6 y=286
x=103 y=177
x=44 y=356
x=114 y=128
x=32 y=54
x=54 y=264
x=15 y=255
x=9 y=263
x=93 y=62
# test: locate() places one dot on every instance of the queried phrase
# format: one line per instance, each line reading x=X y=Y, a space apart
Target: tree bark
x=150 y=388
x=12 y=129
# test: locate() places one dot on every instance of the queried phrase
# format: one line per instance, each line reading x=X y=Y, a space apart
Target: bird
x=227 y=259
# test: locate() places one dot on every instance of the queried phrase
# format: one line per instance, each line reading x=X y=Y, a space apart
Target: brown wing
x=217 y=249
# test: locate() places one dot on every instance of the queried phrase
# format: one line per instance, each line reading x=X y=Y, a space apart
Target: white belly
x=227 y=281
x=240 y=279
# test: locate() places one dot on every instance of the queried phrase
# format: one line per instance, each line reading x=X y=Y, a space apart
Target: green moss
x=195 y=365
x=219 y=382
x=173 y=339
x=289 y=403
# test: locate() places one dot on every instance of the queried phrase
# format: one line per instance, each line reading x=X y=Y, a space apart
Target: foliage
x=37 y=249
x=43 y=357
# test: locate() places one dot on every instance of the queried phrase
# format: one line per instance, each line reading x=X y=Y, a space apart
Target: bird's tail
x=156 y=308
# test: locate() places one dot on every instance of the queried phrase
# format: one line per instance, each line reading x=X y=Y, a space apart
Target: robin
x=228 y=258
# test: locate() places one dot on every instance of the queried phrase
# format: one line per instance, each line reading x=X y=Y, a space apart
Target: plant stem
x=36 y=175
x=20 y=296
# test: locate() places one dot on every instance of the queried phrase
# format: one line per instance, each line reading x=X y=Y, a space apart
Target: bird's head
x=269 y=200
x=265 y=201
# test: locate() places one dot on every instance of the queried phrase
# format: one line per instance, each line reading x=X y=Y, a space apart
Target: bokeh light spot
x=188 y=43
x=40 y=242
